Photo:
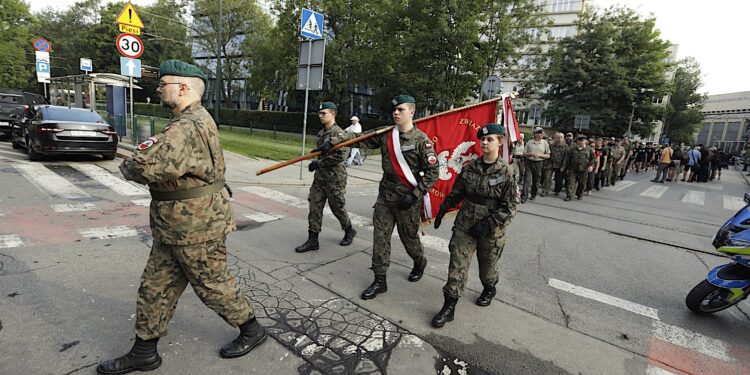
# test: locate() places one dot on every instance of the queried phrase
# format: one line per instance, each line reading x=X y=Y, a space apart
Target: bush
x=290 y=122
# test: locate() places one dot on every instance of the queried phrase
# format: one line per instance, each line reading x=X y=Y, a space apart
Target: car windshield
x=68 y=114
x=10 y=99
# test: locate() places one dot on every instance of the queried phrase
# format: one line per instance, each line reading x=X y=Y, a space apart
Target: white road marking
x=621 y=185
x=654 y=191
x=109 y=180
x=49 y=182
x=261 y=217
x=733 y=203
x=694 y=197
x=10 y=240
x=605 y=298
x=142 y=202
x=433 y=242
x=653 y=370
x=73 y=207
x=108 y=232
x=692 y=341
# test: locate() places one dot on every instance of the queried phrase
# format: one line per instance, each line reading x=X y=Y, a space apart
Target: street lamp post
x=630 y=123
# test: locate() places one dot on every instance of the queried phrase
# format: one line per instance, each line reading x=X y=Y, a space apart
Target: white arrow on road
x=131 y=67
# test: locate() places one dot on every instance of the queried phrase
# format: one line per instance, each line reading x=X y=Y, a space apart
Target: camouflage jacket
x=331 y=164
x=557 y=156
x=186 y=154
x=580 y=159
x=419 y=154
x=474 y=183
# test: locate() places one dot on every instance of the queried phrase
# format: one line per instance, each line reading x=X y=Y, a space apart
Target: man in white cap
x=355 y=127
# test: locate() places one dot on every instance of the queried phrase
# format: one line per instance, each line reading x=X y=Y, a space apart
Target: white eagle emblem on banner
x=456 y=161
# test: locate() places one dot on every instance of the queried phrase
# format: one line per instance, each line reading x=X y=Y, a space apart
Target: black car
x=57 y=130
x=14 y=106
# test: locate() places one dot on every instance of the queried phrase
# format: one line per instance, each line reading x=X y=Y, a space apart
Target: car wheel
x=109 y=156
x=33 y=155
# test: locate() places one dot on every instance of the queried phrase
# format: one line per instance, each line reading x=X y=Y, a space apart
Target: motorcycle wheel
x=706 y=298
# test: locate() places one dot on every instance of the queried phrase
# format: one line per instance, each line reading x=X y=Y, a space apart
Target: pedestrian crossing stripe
x=694 y=197
x=101 y=233
x=73 y=207
x=655 y=191
x=10 y=240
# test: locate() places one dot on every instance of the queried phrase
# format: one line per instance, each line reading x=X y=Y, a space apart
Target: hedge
x=281 y=121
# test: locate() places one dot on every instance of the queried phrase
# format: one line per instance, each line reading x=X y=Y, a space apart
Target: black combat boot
x=142 y=357
x=446 y=313
x=378 y=286
x=486 y=297
x=310 y=244
x=251 y=335
x=349 y=234
x=418 y=270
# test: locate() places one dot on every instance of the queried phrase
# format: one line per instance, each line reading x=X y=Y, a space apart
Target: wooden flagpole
x=366 y=136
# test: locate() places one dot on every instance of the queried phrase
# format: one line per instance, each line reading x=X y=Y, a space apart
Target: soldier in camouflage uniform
x=580 y=158
x=398 y=205
x=190 y=218
x=329 y=183
x=487 y=187
x=555 y=165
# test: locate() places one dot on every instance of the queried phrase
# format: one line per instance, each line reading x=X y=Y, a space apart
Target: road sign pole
x=132 y=115
x=45 y=90
x=307 y=93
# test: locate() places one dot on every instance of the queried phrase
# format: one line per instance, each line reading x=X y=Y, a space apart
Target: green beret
x=181 y=69
x=491 y=128
x=401 y=99
x=329 y=105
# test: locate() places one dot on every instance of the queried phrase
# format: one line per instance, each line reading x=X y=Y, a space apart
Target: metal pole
x=630 y=124
x=45 y=90
x=132 y=114
x=307 y=92
x=219 y=89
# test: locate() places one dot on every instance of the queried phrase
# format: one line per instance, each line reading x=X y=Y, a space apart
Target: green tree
x=16 y=54
x=242 y=23
x=683 y=116
x=614 y=65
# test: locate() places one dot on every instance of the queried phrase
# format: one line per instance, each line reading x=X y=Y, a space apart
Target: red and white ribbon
x=404 y=172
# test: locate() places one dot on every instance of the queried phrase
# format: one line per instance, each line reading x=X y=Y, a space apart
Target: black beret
x=582 y=136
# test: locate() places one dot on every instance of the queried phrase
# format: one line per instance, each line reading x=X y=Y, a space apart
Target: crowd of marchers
x=580 y=164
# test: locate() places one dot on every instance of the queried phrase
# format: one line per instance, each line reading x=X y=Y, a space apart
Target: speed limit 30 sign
x=130 y=45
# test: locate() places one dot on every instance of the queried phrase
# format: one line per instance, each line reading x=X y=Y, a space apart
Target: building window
x=562 y=31
x=559 y=6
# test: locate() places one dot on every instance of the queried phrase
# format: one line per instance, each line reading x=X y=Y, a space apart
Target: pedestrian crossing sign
x=311 y=24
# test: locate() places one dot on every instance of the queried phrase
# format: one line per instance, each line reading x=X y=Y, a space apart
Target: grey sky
x=714 y=33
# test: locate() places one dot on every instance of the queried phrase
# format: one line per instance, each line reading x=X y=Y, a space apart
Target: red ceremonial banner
x=454 y=137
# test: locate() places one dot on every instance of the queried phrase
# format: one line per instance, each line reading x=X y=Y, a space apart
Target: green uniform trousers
x=167 y=273
x=576 y=180
x=384 y=218
x=333 y=192
x=462 y=247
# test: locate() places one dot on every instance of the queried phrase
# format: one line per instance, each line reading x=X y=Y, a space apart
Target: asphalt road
x=593 y=287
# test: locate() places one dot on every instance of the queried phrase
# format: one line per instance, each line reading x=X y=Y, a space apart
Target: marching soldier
x=487 y=188
x=580 y=158
x=190 y=218
x=329 y=183
x=617 y=155
x=410 y=168
x=554 y=167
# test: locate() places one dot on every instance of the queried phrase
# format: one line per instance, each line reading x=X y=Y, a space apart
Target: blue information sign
x=130 y=67
x=311 y=24
x=42 y=67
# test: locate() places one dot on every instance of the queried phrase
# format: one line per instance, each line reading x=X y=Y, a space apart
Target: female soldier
x=487 y=187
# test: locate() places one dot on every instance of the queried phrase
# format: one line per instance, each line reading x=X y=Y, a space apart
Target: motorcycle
x=728 y=284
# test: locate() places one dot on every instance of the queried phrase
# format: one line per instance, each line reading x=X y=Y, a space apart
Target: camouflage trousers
x=384 y=218
x=550 y=174
x=462 y=247
x=168 y=271
x=615 y=171
x=576 y=181
x=333 y=192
